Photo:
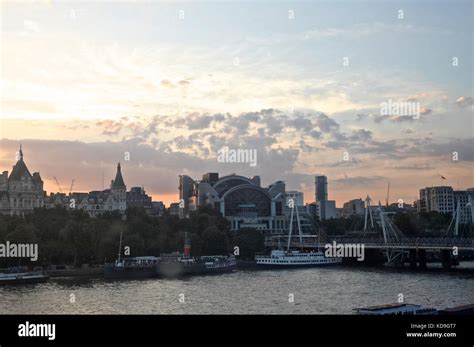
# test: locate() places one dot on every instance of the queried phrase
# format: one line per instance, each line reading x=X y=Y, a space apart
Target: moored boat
x=293 y=259
x=397 y=309
x=23 y=278
x=288 y=258
x=132 y=268
x=178 y=264
x=181 y=264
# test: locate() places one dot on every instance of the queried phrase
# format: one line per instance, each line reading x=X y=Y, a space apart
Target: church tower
x=119 y=191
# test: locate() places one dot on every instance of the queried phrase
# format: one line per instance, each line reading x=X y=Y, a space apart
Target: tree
x=406 y=224
x=215 y=242
x=249 y=241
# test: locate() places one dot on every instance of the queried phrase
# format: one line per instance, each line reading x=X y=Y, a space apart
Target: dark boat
x=131 y=268
x=182 y=264
x=22 y=278
x=179 y=264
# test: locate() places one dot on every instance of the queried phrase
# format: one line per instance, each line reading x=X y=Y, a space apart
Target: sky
x=87 y=84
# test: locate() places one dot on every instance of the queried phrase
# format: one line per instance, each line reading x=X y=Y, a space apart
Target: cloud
x=355 y=31
x=346 y=163
x=414 y=167
x=109 y=127
x=445 y=149
x=326 y=124
x=167 y=84
x=464 y=101
x=361 y=135
x=197 y=121
x=357 y=181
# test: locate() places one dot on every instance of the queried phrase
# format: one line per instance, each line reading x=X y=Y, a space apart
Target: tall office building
x=326 y=208
x=321 y=188
x=186 y=186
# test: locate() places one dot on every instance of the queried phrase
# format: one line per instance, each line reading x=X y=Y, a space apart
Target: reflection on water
x=316 y=291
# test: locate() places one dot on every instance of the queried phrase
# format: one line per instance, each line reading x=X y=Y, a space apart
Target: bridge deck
x=465 y=244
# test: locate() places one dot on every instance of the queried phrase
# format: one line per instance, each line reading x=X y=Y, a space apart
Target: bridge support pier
x=446 y=259
x=412 y=258
x=422 y=259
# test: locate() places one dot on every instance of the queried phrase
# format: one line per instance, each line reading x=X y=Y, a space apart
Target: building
x=97 y=201
x=312 y=209
x=239 y=199
x=326 y=208
x=353 y=207
x=298 y=197
x=158 y=208
x=186 y=188
x=137 y=197
x=321 y=188
x=174 y=209
x=444 y=199
x=21 y=191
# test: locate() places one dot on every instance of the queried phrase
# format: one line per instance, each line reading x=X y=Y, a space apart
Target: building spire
x=20 y=154
x=118 y=181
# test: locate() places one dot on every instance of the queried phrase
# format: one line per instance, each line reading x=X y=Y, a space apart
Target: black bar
x=253 y=329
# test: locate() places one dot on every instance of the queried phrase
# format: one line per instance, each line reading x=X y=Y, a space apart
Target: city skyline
x=172 y=99
x=339 y=204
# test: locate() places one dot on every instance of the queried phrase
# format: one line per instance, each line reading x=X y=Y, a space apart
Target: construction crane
x=388 y=194
x=57 y=183
x=72 y=184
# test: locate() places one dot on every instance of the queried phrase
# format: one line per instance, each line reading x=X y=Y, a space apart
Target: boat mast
x=291 y=228
x=299 y=227
x=120 y=246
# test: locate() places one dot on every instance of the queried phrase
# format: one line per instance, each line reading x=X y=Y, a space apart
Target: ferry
x=292 y=259
x=22 y=278
x=132 y=268
x=397 y=309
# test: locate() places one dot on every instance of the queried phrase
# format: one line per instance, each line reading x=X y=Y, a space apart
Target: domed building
x=240 y=199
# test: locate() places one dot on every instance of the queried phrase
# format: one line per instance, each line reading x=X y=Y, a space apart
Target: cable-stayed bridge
x=380 y=233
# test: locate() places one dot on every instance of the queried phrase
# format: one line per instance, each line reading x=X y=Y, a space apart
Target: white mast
x=291 y=229
x=368 y=212
x=299 y=225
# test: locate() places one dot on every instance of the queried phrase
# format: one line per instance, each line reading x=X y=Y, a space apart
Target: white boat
x=292 y=259
x=280 y=258
x=397 y=309
x=22 y=278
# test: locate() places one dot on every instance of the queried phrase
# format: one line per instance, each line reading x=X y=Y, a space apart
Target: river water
x=332 y=290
